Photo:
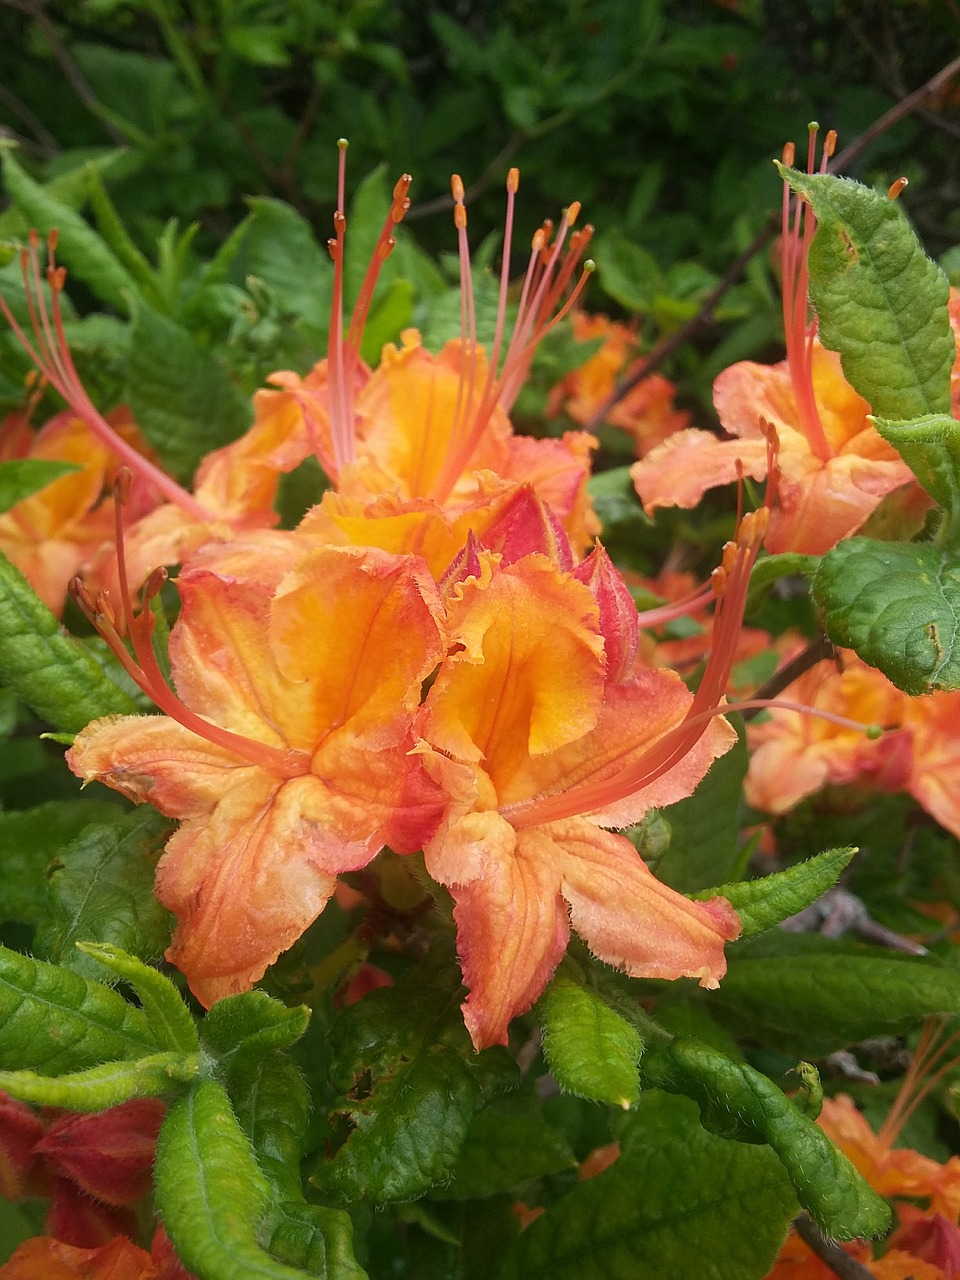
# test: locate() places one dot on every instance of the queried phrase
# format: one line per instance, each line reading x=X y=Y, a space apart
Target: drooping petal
x=511 y=921
x=45 y=1258
x=678 y=472
x=627 y=916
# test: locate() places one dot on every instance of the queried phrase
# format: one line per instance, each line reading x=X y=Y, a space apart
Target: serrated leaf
x=507 y=1144
x=764 y=902
x=930 y=446
x=409 y=1084
x=102 y=891
x=591 y=1050
x=53 y=1021
x=281 y=250
x=809 y=996
x=51 y=672
x=898 y=606
x=880 y=301
x=21 y=477
x=168 y=1018
x=79 y=248
x=678 y=1202
x=30 y=839
x=105 y=1086
x=211 y=1194
x=738 y=1102
x=704 y=828
x=614 y=497
x=315 y=1238
x=179 y=393
x=626 y=272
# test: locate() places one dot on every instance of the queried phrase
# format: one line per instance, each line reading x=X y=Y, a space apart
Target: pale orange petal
x=678 y=472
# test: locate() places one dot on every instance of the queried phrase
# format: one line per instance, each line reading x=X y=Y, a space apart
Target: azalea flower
x=835 y=468
x=91 y=1167
x=647 y=412
x=794 y=756
x=46 y=1258
x=284 y=753
x=544 y=729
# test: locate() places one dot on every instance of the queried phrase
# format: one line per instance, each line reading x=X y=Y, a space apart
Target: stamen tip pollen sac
x=513 y=180
x=830 y=143
x=34 y=238
x=896 y=187
x=456 y=186
x=789 y=154
x=53 y=239
x=121 y=485
x=573 y=213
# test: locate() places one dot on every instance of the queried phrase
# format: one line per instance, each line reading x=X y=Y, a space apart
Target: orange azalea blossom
x=285 y=754
x=52 y=534
x=794 y=756
x=835 y=467
x=45 y=1258
x=647 y=411
x=926 y=1243
x=543 y=729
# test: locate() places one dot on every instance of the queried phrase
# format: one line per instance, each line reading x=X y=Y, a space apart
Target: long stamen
x=796 y=239
x=144 y=669
x=51 y=356
x=928 y=1067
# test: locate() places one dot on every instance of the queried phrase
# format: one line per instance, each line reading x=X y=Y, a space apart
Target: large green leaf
x=879 y=299
x=311 y=1236
x=51 y=672
x=108 y=1085
x=737 y=1102
x=101 y=890
x=809 y=995
x=409 y=1083
x=170 y=1021
x=53 y=1021
x=678 y=1202
x=179 y=393
x=898 y=606
x=281 y=249
x=272 y=1103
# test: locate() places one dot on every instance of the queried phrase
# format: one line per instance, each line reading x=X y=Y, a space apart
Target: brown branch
x=44 y=141
x=815 y=652
x=75 y=77
x=842 y=160
x=828 y=1251
x=440 y=203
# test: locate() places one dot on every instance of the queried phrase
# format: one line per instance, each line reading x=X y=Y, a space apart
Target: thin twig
x=815 y=652
x=836 y=1258
x=77 y=80
x=842 y=160
x=44 y=141
x=493 y=169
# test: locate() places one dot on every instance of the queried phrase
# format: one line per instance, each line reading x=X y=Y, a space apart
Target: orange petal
x=678 y=472
x=44 y=1258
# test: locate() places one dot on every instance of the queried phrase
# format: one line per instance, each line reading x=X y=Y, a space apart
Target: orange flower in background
x=794 y=756
x=52 y=534
x=543 y=729
x=45 y=1258
x=286 y=760
x=835 y=468
x=647 y=412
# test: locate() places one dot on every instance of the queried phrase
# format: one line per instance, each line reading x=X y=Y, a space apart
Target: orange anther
x=122 y=483
x=456 y=186
x=460 y=216
x=830 y=143
x=718 y=581
x=789 y=154
x=513 y=180
x=896 y=187
x=339 y=222
x=56 y=277
x=573 y=213
x=34 y=238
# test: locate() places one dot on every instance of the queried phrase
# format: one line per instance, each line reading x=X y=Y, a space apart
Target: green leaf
x=53 y=1021
x=898 y=606
x=179 y=393
x=30 y=839
x=808 y=996
x=678 y=1202
x=626 y=272
x=24 y=476
x=168 y=1018
x=211 y=1194
x=930 y=446
x=105 y=1086
x=738 y=1102
x=272 y=1103
x=880 y=301
x=116 y=236
x=764 y=902
x=409 y=1084
x=591 y=1050
x=80 y=248
x=317 y=1239
x=101 y=890
x=705 y=829
x=392 y=313
x=52 y=673
x=615 y=498
x=281 y=250
x=240 y=1030
x=507 y=1144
